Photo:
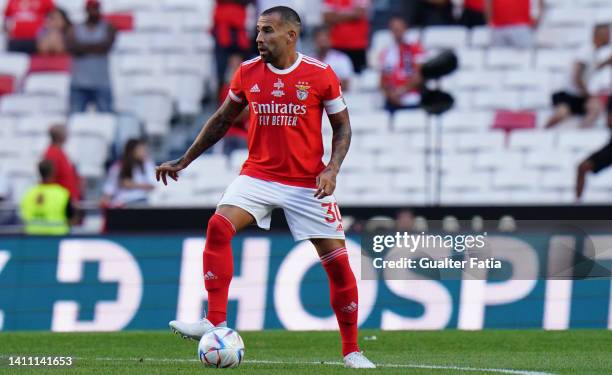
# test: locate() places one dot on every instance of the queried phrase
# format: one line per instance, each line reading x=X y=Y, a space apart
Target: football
x=221 y=347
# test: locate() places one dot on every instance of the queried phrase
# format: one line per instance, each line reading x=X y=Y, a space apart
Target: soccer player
x=286 y=92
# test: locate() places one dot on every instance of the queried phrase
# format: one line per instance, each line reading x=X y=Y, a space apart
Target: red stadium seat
x=512 y=120
x=7 y=84
x=121 y=21
x=59 y=63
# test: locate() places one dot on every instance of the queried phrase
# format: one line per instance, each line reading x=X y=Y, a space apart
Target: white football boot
x=357 y=360
x=194 y=330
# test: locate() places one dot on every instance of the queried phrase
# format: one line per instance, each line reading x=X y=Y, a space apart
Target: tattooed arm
x=214 y=129
x=341 y=140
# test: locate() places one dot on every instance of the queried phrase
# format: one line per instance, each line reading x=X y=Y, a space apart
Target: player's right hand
x=169 y=168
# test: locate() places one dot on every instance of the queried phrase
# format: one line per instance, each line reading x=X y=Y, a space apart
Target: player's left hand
x=326 y=183
x=169 y=168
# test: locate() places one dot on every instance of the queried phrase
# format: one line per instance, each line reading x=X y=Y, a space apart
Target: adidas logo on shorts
x=340 y=228
x=210 y=276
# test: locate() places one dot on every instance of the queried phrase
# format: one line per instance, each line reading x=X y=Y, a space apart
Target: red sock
x=343 y=296
x=218 y=266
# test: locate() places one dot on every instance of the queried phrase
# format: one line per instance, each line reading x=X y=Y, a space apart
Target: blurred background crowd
x=93 y=93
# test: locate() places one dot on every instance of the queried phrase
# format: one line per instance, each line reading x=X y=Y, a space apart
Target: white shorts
x=307 y=216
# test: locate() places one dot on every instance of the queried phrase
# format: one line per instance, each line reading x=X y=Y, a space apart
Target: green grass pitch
x=527 y=352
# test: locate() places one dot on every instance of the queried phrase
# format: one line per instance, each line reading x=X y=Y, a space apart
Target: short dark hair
x=287 y=14
x=46 y=169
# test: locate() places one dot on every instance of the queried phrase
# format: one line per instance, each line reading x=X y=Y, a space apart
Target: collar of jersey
x=289 y=69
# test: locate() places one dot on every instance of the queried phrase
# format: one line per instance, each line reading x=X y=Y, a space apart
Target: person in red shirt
x=349 y=28
x=22 y=20
x=65 y=173
x=286 y=93
x=511 y=22
x=401 y=78
x=473 y=13
x=229 y=31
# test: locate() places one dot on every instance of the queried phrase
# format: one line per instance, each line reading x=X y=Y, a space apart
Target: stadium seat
x=388 y=161
x=555 y=59
x=471 y=58
x=529 y=78
x=104 y=125
x=445 y=36
x=203 y=43
x=156 y=21
x=130 y=5
x=471 y=80
x=37 y=125
x=121 y=21
x=508 y=58
x=186 y=90
x=7 y=84
x=89 y=152
x=402 y=181
x=493 y=140
x=514 y=120
x=170 y=42
x=363 y=102
x=14 y=64
x=132 y=42
x=475 y=181
x=412 y=120
x=155 y=110
x=532 y=140
x=499 y=159
x=57 y=84
x=368 y=122
x=583 y=139
x=518 y=179
x=466 y=121
x=535 y=99
x=453 y=162
x=481 y=37
x=497 y=99
x=145 y=64
x=558 y=179
x=22 y=104
x=198 y=22
x=544 y=159
x=200 y=64
x=570 y=16
x=562 y=37
x=357 y=161
x=368 y=80
x=57 y=63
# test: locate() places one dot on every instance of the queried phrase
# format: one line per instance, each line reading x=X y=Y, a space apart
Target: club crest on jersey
x=302 y=90
x=278 y=88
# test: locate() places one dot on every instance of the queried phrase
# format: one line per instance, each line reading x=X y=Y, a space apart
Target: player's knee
x=220 y=230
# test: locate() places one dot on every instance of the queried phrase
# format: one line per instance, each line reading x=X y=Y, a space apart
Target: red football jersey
x=285 y=111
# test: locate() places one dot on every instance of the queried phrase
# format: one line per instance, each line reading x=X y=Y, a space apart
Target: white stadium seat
x=445 y=36
x=583 y=139
x=481 y=36
x=518 y=179
x=38 y=124
x=532 y=140
x=367 y=122
x=155 y=110
x=499 y=159
x=409 y=120
x=508 y=58
x=467 y=121
x=103 y=125
x=57 y=84
x=15 y=64
x=493 y=140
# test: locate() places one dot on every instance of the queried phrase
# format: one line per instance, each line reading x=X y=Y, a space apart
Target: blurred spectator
x=598 y=161
x=46 y=209
x=401 y=78
x=51 y=38
x=575 y=98
x=65 y=173
x=236 y=136
x=349 y=28
x=473 y=13
x=90 y=44
x=229 y=31
x=404 y=220
x=130 y=180
x=339 y=61
x=22 y=20
x=511 y=22
x=434 y=13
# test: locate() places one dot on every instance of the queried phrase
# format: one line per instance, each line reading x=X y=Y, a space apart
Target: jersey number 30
x=333 y=213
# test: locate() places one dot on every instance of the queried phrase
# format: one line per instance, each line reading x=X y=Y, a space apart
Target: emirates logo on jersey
x=278 y=88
